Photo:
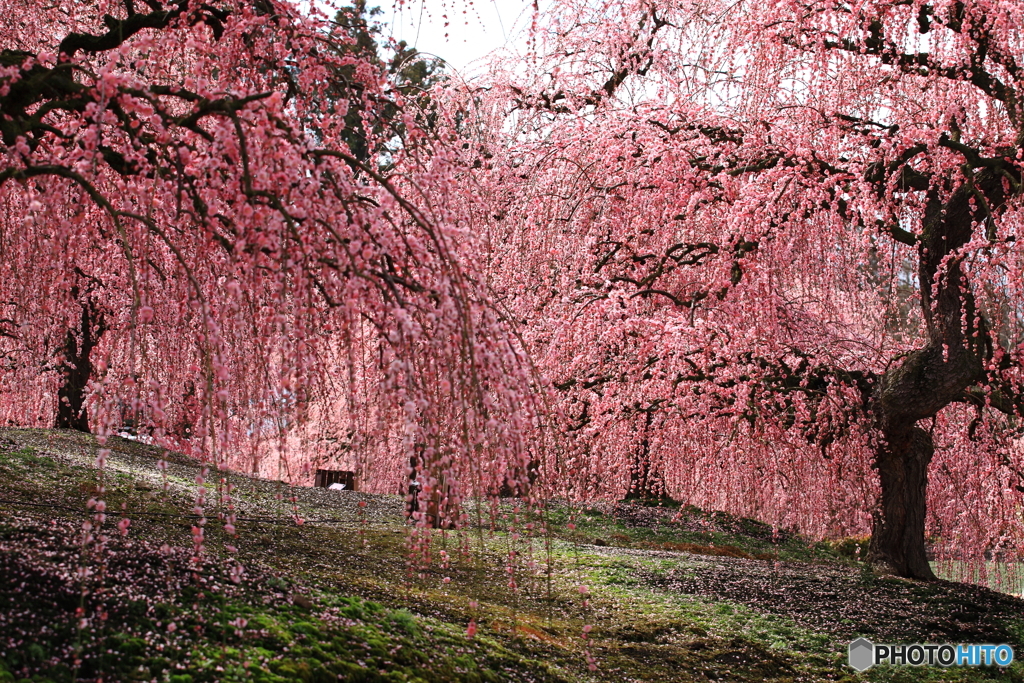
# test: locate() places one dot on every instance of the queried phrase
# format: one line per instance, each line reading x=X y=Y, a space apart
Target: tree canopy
x=767 y=255
x=759 y=256
x=184 y=191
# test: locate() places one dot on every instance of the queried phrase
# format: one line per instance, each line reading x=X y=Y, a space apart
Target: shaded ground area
x=686 y=529
x=154 y=613
x=846 y=602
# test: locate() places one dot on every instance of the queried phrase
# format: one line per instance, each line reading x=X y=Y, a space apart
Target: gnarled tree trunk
x=77 y=368
x=929 y=379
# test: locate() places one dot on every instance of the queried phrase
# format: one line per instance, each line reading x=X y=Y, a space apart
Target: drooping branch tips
x=858 y=190
x=266 y=267
x=746 y=251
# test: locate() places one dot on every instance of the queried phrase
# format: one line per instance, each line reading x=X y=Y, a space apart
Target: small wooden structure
x=325 y=478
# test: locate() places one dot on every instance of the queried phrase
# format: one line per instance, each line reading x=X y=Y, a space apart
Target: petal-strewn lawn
x=629 y=593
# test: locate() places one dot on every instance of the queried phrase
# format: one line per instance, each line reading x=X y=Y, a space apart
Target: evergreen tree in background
x=408 y=73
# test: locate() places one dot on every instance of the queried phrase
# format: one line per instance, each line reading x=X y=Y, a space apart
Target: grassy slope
x=671 y=595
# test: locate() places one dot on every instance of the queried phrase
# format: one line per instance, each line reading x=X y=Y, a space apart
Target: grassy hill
x=611 y=593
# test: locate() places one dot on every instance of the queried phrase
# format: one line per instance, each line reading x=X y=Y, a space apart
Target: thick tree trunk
x=646 y=482
x=77 y=362
x=921 y=383
x=919 y=387
x=412 y=505
x=898 y=539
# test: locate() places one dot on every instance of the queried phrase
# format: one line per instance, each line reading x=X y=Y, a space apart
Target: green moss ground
x=351 y=598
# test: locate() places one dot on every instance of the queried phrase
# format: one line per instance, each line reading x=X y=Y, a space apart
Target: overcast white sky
x=474 y=30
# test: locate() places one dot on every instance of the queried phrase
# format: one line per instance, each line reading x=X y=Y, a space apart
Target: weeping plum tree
x=780 y=236
x=351 y=35
x=789 y=231
x=259 y=275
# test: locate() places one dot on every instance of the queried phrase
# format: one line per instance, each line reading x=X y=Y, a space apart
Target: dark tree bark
x=427 y=501
x=77 y=367
x=929 y=379
x=413 y=489
x=438 y=512
x=897 y=540
x=646 y=482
